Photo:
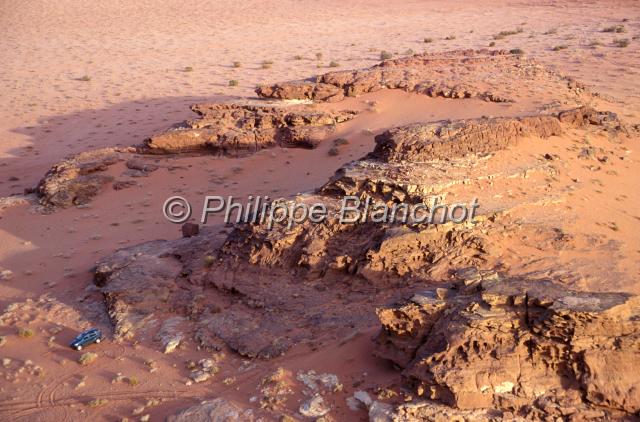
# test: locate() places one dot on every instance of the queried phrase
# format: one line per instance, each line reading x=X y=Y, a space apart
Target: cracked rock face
x=235 y=130
x=517 y=345
x=485 y=74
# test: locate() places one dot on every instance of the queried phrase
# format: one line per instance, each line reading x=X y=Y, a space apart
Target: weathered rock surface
x=314 y=407
x=258 y=315
x=486 y=74
x=478 y=349
x=446 y=140
x=529 y=346
x=408 y=163
x=217 y=410
x=263 y=315
x=232 y=129
x=133 y=305
x=427 y=411
x=77 y=180
x=222 y=129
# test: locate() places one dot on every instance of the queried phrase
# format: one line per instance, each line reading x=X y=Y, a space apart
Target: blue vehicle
x=92 y=335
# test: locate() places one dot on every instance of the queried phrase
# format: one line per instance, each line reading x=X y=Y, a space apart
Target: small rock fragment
x=314 y=407
x=190 y=229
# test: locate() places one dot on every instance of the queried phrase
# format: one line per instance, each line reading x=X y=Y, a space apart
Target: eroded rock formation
x=255 y=314
x=483 y=74
x=528 y=346
x=481 y=347
x=227 y=129
x=237 y=309
x=232 y=129
x=236 y=130
x=77 y=180
x=447 y=140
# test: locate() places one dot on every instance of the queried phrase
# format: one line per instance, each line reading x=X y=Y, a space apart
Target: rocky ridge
x=485 y=74
x=240 y=129
x=260 y=291
x=235 y=130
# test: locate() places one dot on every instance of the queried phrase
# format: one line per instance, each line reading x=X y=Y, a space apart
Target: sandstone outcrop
x=147 y=286
x=408 y=162
x=227 y=129
x=526 y=346
x=237 y=130
x=238 y=308
x=485 y=74
x=232 y=129
x=446 y=140
x=475 y=342
x=75 y=181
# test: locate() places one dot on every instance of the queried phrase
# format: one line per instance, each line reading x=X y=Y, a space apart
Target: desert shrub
x=560 y=47
x=334 y=64
x=621 y=43
x=233 y=82
x=97 y=402
x=450 y=37
x=87 y=358
x=428 y=40
x=385 y=55
x=266 y=64
x=237 y=64
x=188 y=69
x=208 y=260
x=551 y=31
x=85 y=78
x=517 y=51
x=492 y=44
x=298 y=57
x=25 y=333
x=503 y=34
x=618 y=29
x=334 y=151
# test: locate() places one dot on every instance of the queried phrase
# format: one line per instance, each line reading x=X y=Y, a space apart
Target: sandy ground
x=78 y=75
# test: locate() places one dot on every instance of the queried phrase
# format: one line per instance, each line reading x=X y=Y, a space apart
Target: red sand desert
x=529 y=311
